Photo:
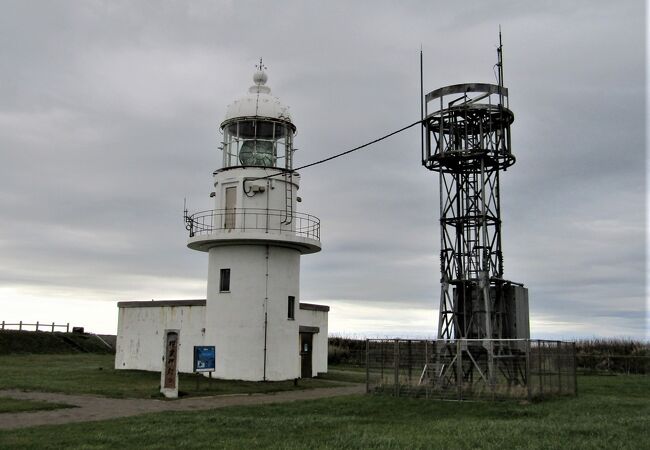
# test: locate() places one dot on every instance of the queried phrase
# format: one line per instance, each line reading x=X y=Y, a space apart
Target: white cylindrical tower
x=254 y=237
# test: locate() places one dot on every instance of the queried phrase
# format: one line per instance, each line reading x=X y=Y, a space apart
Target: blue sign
x=204 y=359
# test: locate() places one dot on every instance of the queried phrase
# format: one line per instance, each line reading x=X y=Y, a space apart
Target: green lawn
x=10 y=405
x=94 y=374
x=345 y=374
x=610 y=412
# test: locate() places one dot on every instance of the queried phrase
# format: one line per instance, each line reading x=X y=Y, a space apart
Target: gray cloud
x=110 y=113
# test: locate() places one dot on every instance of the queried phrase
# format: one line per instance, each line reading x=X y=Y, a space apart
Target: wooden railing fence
x=38 y=326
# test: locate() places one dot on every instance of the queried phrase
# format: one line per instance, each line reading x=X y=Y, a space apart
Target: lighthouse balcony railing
x=253 y=219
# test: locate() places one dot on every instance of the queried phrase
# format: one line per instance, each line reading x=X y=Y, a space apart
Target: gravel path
x=90 y=408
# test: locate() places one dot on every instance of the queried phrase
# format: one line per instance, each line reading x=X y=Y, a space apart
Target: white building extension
x=254 y=238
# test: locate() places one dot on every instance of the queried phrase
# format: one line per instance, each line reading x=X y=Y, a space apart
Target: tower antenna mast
x=500 y=59
x=421 y=104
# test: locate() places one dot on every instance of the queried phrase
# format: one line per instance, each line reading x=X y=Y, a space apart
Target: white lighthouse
x=254 y=237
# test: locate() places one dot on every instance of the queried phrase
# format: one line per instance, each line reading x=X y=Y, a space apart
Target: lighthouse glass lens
x=257 y=153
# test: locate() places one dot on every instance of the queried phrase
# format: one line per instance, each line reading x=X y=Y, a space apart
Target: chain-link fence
x=552 y=368
x=466 y=368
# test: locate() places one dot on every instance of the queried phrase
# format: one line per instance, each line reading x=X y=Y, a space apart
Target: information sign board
x=204 y=358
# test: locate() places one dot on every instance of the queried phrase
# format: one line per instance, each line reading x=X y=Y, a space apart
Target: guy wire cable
x=338 y=155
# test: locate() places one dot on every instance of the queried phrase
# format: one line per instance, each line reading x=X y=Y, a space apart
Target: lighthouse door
x=231 y=198
x=305 y=354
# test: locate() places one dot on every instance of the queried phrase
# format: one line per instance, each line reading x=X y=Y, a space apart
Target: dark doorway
x=306 y=340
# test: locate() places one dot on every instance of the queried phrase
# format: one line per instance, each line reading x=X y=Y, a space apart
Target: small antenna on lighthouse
x=189 y=222
x=261 y=65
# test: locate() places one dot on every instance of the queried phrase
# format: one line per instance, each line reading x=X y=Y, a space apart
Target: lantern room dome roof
x=258 y=103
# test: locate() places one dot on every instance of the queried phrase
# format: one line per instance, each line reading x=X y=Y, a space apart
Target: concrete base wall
x=239 y=344
x=140 y=331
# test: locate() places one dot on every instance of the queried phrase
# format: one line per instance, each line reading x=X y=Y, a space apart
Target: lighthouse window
x=263 y=143
x=224 y=281
x=291 y=307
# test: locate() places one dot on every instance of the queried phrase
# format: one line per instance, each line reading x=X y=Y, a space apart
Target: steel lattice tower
x=467 y=141
x=472 y=146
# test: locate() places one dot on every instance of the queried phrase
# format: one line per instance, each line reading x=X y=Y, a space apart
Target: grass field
x=29 y=342
x=94 y=374
x=10 y=405
x=610 y=412
x=348 y=374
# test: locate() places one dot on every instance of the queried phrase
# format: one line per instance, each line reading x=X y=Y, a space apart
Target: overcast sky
x=109 y=115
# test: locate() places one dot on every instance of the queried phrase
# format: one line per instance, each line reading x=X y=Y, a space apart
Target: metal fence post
x=410 y=361
x=3 y=324
x=20 y=326
x=52 y=327
x=541 y=378
x=425 y=369
x=459 y=370
x=37 y=325
x=382 y=348
x=529 y=392
x=559 y=367
x=575 y=370
x=396 y=363
x=67 y=327
x=367 y=366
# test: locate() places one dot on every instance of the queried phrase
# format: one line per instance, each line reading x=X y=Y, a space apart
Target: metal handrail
x=260 y=219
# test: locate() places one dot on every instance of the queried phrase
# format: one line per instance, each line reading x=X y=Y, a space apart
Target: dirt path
x=91 y=408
